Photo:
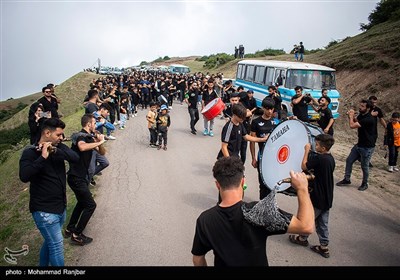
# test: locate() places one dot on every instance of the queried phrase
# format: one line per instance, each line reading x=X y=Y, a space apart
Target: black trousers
x=194 y=117
x=84 y=207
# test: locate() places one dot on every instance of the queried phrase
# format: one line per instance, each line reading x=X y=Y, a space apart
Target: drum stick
x=310 y=177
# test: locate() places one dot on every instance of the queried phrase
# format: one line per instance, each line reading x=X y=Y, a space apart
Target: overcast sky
x=49 y=41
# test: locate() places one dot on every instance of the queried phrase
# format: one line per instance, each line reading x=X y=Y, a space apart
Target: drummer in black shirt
x=262 y=127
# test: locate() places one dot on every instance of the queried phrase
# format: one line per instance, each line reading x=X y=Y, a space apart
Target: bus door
x=279 y=77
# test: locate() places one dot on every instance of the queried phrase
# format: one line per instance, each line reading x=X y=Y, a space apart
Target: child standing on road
x=323 y=164
x=152 y=125
x=392 y=141
x=163 y=122
x=123 y=112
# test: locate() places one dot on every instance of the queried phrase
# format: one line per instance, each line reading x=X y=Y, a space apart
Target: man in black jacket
x=43 y=166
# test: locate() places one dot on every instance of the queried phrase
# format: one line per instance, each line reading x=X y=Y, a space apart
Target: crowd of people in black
x=112 y=100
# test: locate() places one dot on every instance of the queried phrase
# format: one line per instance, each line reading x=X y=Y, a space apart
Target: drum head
x=283 y=151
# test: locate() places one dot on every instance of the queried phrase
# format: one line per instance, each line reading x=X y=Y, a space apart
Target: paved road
x=148 y=201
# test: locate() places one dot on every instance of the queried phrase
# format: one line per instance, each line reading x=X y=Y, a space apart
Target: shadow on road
x=199 y=200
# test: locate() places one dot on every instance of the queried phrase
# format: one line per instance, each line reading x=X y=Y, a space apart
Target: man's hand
x=45 y=146
x=299 y=181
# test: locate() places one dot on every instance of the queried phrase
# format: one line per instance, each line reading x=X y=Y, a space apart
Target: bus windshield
x=182 y=69
x=311 y=79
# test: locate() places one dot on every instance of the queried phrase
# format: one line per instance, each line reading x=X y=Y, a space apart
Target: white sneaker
x=110 y=137
x=395 y=168
x=390 y=169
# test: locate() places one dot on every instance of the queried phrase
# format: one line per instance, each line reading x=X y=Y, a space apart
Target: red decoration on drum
x=283 y=154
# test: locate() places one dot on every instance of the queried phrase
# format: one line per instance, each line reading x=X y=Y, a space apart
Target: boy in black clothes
x=163 y=122
x=321 y=195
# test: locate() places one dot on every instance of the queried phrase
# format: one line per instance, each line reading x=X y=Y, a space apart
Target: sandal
x=296 y=240
x=322 y=251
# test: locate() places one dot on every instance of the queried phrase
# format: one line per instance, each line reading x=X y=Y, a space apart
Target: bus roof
x=287 y=64
x=178 y=65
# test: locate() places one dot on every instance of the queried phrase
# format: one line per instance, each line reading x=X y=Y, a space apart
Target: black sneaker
x=81 y=239
x=344 y=182
x=193 y=132
x=67 y=233
x=363 y=187
x=93 y=182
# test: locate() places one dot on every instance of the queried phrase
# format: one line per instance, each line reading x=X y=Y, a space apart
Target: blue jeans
x=50 y=225
x=356 y=153
x=321 y=224
x=97 y=164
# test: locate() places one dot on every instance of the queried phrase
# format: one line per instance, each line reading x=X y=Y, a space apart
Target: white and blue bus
x=258 y=75
x=178 y=69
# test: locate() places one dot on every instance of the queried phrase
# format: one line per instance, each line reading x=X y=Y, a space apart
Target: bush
x=332 y=43
x=15 y=135
x=384 y=11
x=269 y=52
x=6 y=114
x=215 y=60
x=203 y=58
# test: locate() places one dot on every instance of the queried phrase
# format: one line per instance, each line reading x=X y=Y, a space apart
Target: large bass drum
x=284 y=151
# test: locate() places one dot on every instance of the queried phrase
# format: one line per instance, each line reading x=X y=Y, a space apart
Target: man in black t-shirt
x=229 y=228
x=363 y=150
x=300 y=104
x=84 y=144
x=326 y=119
x=262 y=127
x=49 y=102
x=322 y=165
x=191 y=100
x=234 y=132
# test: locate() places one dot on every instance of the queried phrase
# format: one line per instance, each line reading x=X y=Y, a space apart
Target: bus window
x=269 y=76
x=259 y=77
x=240 y=71
x=279 y=77
x=250 y=73
x=311 y=79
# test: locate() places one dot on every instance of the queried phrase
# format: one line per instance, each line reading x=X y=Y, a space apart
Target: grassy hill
x=367 y=64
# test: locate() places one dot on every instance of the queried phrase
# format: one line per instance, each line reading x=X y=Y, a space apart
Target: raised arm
x=303 y=221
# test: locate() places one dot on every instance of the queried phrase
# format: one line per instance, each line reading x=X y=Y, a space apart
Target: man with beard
x=365 y=124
